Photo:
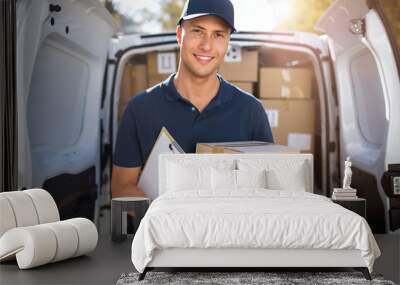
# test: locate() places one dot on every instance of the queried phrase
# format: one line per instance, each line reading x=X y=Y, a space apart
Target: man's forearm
x=127 y=191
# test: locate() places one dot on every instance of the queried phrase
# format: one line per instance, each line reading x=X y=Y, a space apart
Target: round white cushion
x=45 y=205
x=87 y=234
x=7 y=218
x=33 y=246
x=23 y=208
x=67 y=240
x=31 y=232
x=26 y=208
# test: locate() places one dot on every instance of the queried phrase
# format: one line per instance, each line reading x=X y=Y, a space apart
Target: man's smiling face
x=203 y=42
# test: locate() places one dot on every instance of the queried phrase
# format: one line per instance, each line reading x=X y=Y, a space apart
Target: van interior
x=298 y=114
x=331 y=95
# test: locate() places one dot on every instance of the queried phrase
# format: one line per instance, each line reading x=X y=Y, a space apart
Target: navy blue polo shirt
x=232 y=115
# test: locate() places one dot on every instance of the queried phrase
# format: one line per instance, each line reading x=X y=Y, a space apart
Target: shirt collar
x=224 y=92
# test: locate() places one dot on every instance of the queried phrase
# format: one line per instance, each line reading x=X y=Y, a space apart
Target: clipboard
x=148 y=180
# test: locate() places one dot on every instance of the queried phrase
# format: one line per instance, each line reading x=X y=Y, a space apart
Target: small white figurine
x=347 y=174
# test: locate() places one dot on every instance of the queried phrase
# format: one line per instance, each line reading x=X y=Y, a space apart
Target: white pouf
x=31 y=232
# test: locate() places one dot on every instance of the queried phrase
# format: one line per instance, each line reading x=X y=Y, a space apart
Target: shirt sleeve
x=127 y=147
x=261 y=130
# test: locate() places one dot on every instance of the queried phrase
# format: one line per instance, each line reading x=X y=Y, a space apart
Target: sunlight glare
x=260 y=15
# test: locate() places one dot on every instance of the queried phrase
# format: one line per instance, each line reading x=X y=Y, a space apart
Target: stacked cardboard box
x=244 y=72
x=134 y=81
x=243 y=147
x=160 y=65
x=138 y=77
x=245 y=86
x=286 y=94
x=285 y=83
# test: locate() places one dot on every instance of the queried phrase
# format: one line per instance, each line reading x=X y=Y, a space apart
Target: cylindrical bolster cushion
x=26 y=208
x=87 y=234
x=23 y=208
x=41 y=244
x=45 y=205
x=7 y=218
x=67 y=240
x=33 y=246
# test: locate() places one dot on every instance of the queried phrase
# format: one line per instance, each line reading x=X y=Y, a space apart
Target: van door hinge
x=357 y=27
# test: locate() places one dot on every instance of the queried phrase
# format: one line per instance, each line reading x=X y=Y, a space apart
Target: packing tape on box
x=273 y=117
x=285 y=91
x=286 y=74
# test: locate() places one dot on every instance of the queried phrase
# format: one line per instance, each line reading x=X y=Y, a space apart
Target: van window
x=369 y=97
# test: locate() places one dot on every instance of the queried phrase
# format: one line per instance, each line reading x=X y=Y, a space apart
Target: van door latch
x=54 y=8
x=357 y=27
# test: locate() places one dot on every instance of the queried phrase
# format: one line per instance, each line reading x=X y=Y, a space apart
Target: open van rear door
x=61 y=56
x=366 y=63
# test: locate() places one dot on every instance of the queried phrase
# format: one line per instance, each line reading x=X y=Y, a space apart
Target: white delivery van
x=70 y=77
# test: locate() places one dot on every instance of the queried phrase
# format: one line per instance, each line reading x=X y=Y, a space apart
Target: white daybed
x=247 y=210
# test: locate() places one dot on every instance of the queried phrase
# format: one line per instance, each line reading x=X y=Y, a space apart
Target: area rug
x=243 y=278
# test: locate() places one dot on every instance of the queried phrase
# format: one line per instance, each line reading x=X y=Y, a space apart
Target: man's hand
x=124 y=182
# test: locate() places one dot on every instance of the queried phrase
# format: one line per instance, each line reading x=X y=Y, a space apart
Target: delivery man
x=195 y=104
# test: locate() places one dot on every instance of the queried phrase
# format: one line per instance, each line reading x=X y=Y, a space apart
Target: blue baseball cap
x=220 y=8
